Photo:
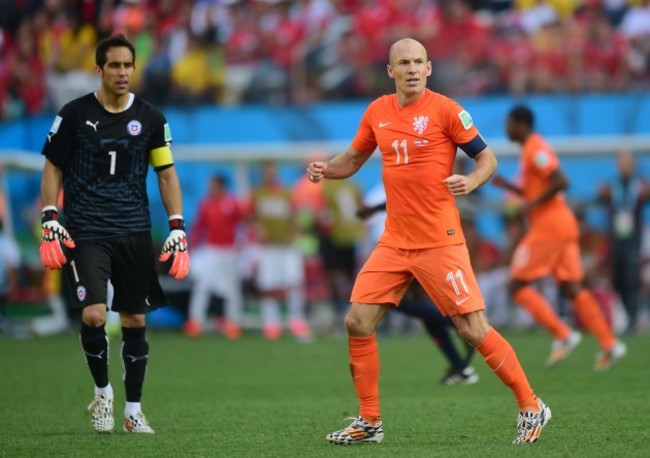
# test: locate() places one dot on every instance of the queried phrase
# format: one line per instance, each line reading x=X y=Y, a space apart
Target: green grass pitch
x=212 y=397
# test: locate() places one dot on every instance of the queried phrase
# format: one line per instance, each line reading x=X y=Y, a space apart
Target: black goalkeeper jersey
x=104 y=159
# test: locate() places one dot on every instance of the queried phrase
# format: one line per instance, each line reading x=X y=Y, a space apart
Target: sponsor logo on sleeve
x=56 y=124
x=54 y=129
x=168 y=133
x=466 y=119
x=541 y=159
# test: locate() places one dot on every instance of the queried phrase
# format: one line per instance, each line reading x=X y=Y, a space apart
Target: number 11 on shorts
x=455 y=279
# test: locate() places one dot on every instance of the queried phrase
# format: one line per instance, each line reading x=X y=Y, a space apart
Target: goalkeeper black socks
x=135 y=353
x=95 y=346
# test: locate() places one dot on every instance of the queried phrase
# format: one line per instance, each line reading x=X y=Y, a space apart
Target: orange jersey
x=552 y=220
x=418 y=146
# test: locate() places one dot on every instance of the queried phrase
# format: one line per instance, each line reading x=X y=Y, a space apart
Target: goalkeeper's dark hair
x=522 y=114
x=116 y=41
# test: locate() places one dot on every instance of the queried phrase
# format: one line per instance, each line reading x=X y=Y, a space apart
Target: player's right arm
x=364 y=212
x=558 y=182
x=501 y=182
x=50 y=184
x=342 y=166
x=52 y=233
x=348 y=163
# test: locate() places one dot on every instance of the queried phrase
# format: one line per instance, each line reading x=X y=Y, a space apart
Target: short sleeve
x=544 y=161
x=459 y=124
x=162 y=134
x=160 y=154
x=365 y=140
x=60 y=138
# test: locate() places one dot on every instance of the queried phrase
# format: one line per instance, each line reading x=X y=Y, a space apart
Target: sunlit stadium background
x=242 y=81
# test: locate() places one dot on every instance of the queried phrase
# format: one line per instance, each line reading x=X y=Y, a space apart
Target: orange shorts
x=532 y=260
x=445 y=273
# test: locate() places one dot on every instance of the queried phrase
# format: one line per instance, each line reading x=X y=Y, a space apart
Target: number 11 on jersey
x=403 y=145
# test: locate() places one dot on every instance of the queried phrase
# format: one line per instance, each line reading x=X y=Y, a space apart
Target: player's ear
x=389 y=70
x=98 y=70
x=429 y=68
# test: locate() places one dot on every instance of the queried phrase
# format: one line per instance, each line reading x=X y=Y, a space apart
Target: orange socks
x=364 y=366
x=500 y=356
x=542 y=312
x=589 y=312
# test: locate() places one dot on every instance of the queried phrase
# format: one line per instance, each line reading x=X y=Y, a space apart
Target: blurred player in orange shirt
x=551 y=247
x=418 y=132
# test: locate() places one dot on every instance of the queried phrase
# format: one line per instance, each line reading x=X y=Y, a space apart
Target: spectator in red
x=604 y=58
x=26 y=70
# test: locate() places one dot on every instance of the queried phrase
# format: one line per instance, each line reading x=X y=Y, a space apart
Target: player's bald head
x=407 y=46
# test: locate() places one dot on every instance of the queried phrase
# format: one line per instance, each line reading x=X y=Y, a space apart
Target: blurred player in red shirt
x=216 y=268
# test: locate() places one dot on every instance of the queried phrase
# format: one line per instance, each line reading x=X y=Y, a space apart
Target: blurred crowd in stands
x=224 y=52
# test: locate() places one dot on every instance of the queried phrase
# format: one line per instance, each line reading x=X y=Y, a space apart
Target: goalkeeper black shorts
x=127 y=261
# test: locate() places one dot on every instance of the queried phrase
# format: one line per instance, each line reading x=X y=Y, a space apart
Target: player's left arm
x=170 y=190
x=459 y=126
x=176 y=243
x=486 y=165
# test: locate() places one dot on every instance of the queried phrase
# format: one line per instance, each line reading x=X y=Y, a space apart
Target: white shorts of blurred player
x=280 y=268
x=216 y=270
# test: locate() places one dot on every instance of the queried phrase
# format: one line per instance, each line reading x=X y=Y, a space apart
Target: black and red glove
x=52 y=236
x=176 y=245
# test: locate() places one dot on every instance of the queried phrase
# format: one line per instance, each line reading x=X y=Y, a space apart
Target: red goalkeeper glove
x=176 y=245
x=52 y=235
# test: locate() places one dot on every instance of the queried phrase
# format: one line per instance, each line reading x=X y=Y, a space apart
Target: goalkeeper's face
x=117 y=71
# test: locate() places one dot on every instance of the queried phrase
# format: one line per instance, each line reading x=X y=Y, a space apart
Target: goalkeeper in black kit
x=100 y=148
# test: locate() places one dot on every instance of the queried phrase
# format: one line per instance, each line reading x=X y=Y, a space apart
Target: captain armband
x=474 y=146
x=161 y=158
